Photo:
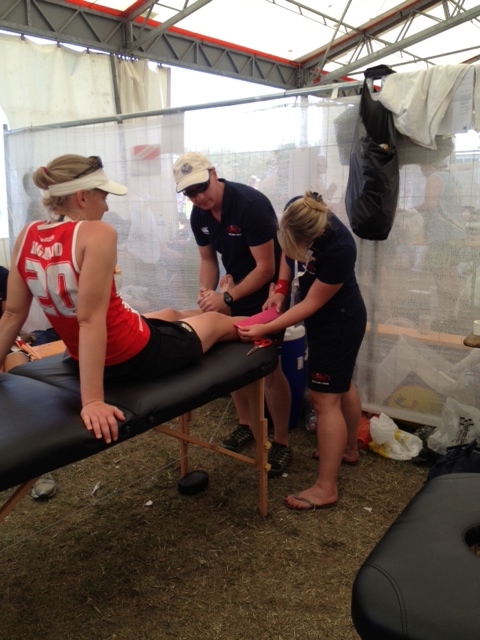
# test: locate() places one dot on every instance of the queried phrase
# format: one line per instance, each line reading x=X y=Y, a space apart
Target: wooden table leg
x=184 y=422
x=256 y=400
x=19 y=493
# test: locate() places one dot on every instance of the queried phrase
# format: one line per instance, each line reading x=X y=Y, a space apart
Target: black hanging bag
x=373 y=182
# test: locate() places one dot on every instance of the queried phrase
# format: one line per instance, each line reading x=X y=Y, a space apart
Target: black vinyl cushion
x=422 y=580
x=40 y=425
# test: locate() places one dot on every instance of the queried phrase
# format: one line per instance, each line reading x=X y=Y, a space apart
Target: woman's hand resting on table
x=101 y=418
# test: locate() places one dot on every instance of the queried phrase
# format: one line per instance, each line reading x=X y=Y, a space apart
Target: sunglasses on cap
x=200 y=188
x=97 y=164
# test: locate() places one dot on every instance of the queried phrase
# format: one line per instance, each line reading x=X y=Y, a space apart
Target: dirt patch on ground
x=118 y=554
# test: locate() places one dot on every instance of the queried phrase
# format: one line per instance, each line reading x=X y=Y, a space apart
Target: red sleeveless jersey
x=47 y=263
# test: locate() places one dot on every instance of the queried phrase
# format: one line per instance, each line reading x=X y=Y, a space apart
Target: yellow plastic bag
x=391 y=442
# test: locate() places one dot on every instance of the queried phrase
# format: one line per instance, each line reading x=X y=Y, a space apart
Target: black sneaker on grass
x=279 y=457
x=238 y=439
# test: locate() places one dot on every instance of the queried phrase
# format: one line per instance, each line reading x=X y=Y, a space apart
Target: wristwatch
x=227 y=298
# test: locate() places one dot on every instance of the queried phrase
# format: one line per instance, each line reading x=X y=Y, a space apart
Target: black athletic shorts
x=333 y=346
x=172 y=346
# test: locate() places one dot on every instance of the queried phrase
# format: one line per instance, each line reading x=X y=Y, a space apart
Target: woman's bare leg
x=352 y=412
x=172 y=315
x=210 y=326
x=15 y=358
x=331 y=442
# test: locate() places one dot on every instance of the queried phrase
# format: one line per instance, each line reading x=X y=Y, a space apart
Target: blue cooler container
x=293 y=366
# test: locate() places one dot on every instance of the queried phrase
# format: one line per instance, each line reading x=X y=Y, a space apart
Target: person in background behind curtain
x=445 y=242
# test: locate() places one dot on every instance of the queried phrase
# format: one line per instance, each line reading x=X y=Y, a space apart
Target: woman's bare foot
x=351 y=457
x=313 y=498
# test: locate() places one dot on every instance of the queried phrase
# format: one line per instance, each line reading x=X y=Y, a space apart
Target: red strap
x=282 y=286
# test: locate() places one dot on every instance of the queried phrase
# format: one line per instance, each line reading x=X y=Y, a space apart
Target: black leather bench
x=41 y=429
x=422 y=580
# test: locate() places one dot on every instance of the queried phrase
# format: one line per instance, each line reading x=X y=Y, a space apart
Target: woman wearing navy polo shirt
x=333 y=311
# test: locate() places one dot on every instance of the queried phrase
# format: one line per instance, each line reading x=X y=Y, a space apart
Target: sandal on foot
x=311 y=506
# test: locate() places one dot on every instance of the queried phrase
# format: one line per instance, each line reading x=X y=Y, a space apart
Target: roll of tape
x=476 y=327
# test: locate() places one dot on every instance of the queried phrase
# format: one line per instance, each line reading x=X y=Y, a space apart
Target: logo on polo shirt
x=233 y=230
x=311 y=268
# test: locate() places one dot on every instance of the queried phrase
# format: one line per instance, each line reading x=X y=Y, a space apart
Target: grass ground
x=118 y=554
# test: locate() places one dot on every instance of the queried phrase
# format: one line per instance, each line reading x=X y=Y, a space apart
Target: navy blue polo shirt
x=334 y=255
x=248 y=219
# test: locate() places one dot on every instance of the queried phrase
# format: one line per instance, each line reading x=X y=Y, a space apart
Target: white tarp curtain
x=45 y=84
x=141 y=87
x=289 y=149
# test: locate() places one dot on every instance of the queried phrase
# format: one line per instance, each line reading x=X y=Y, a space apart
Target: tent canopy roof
x=282 y=43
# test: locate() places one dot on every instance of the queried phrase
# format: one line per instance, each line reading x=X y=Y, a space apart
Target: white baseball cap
x=191 y=168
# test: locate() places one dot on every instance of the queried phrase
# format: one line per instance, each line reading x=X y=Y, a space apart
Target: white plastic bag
x=391 y=442
x=460 y=424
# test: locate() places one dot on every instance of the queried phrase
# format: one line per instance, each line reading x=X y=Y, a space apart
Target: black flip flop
x=311 y=505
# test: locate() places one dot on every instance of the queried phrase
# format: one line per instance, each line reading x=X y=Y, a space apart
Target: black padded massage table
x=41 y=429
x=422 y=579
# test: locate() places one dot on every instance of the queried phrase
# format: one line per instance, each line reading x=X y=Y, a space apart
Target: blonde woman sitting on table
x=67 y=263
